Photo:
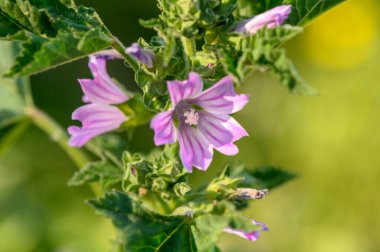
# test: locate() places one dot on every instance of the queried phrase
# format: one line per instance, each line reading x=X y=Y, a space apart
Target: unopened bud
x=249 y=193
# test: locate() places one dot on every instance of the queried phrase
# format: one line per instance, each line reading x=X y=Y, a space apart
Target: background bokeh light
x=331 y=140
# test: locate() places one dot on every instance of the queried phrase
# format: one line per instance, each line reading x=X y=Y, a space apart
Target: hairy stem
x=189 y=50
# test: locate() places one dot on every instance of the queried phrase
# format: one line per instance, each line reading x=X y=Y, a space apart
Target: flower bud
x=249 y=193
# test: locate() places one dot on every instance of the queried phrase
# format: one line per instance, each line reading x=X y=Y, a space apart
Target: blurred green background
x=331 y=140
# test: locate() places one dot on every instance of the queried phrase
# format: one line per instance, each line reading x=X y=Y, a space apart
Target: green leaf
x=14 y=92
x=52 y=33
x=14 y=99
x=105 y=172
x=208 y=229
x=265 y=177
x=193 y=18
x=263 y=52
x=141 y=229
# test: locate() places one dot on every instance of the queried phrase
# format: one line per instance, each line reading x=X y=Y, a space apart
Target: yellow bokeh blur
x=346 y=36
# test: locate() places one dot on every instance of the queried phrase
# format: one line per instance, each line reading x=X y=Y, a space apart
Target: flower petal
x=142 y=55
x=96 y=119
x=180 y=90
x=195 y=151
x=102 y=88
x=213 y=128
x=221 y=98
x=252 y=236
x=235 y=128
x=271 y=18
x=164 y=130
x=221 y=131
x=237 y=131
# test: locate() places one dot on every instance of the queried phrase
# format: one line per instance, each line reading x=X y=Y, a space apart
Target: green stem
x=118 y=46
x=189 y=49
x=58 y=134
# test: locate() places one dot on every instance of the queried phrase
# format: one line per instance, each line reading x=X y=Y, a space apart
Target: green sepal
x=136 y=112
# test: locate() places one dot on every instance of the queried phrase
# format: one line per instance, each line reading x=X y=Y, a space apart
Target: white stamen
x=192 y=117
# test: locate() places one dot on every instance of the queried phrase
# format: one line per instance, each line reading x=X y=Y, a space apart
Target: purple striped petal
x=102 y=88
x=251 y=236
x=238 y=132
x=180 y=90
x=203 y=119
x=195 y=151
x=142 y=55
x=164 y=130
x=96 y=119
x=221 y=131
x=211 y=126
x=221 y=99
x=271 y=18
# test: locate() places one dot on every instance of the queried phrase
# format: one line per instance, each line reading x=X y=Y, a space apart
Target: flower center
x=192 y=117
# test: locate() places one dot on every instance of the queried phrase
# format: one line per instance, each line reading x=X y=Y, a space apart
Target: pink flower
x=252 y=236
x=199 y=120
x=271 y=18
x=101 y=93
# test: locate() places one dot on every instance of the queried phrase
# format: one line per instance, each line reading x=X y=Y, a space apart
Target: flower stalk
x=58 y=135
x=189 y=50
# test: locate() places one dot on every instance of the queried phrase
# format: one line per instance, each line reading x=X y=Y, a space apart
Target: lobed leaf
x=186 y=229
x=142 y=230
x=105 y=172
x=265 y=177
x=51 y=32
x=263 y=52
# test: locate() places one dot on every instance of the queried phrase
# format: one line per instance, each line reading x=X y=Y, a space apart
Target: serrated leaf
x=262 y=52
x=265 y=177
x=270 y=177
x=53 y=33
x=13 y=96
x=105 y=172
x=142 y=230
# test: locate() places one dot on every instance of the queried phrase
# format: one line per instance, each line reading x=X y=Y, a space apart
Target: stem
x=118 y=46
x=189 y=49
x=57 y=134
x=189 y=46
